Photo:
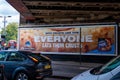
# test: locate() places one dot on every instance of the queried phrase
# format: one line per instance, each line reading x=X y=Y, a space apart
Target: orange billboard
x=99 y=40
x=50 y=39
x=76 y=39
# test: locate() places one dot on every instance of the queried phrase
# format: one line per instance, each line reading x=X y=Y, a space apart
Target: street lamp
x=4 y=21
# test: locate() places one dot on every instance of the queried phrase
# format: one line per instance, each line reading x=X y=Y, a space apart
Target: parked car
x=25 y=65
x=105 y=72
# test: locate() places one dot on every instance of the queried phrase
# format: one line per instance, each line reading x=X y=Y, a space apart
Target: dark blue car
x=25 y=65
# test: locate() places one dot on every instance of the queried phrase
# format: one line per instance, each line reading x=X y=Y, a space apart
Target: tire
x=21 y=76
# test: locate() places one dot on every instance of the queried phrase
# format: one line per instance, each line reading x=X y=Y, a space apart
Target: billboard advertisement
x=87 y=40
x=50 y=39
x=98 y=40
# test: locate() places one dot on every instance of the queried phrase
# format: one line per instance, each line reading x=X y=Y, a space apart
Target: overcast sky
x=7 y=10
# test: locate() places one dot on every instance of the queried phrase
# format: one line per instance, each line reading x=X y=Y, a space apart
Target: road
x=65 y=70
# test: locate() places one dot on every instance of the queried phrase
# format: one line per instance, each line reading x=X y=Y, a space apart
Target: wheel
x=21 y=76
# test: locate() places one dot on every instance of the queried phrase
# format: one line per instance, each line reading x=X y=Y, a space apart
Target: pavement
x=69 y=69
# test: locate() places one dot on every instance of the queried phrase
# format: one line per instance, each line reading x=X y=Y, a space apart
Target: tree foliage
x=11 y=31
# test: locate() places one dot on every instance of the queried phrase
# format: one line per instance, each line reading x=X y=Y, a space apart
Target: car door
x=3 y=56
x=105 y=76
x=13 y=61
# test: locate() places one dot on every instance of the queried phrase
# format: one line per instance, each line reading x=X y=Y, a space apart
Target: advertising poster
x=50 y=39
x=98 y=40
x=87 y=40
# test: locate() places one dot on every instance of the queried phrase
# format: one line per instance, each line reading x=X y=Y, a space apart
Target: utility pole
x=4 y=21
x=3 y=35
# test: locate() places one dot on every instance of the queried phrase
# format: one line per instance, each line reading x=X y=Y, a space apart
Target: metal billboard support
x=80 y=57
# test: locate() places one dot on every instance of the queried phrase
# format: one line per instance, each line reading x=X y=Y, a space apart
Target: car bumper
x=44 y=73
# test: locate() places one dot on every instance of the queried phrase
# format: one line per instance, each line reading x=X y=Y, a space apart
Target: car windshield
x=107 y=67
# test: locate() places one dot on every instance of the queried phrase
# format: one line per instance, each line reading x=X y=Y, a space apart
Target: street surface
x=65 y=70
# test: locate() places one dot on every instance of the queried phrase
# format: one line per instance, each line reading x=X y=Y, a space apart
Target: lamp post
x=4 y=21
x=3 y=41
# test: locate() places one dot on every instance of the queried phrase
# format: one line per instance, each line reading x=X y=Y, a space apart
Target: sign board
x=84 y=40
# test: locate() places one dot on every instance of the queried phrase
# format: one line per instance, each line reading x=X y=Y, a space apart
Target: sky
x=7 y=10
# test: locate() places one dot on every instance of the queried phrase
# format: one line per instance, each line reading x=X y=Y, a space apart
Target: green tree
x=11 y=31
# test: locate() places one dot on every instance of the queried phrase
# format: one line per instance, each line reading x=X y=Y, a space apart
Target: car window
x=107 y=67
x=111 y=65
x=3 y=56
x=38 y=57
x=14 y=56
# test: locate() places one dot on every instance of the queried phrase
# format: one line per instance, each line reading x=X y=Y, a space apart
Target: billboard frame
x=77 y=26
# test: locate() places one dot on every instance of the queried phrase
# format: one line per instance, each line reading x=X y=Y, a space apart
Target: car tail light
x=34 y=59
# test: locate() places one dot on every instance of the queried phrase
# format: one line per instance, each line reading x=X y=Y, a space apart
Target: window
x=14 y=56
x=107 y=67
x=3 y=56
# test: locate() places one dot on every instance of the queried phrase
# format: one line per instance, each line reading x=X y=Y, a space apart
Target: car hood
x=85 y=76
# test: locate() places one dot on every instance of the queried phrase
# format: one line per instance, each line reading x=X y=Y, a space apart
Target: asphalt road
x=65 y=70
x=56 y=78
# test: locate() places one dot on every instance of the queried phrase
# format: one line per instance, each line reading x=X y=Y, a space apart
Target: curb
x=71 y=63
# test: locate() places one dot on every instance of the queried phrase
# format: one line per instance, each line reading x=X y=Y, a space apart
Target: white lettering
x=36 y=39
x=43 y=38
x=46 y=45
x=49 y=39
x=57 y=39
x=78 y=38
x=58 y=45
x=89 y=38
x=64 y=38
x=72 y=45
x=71 y=38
